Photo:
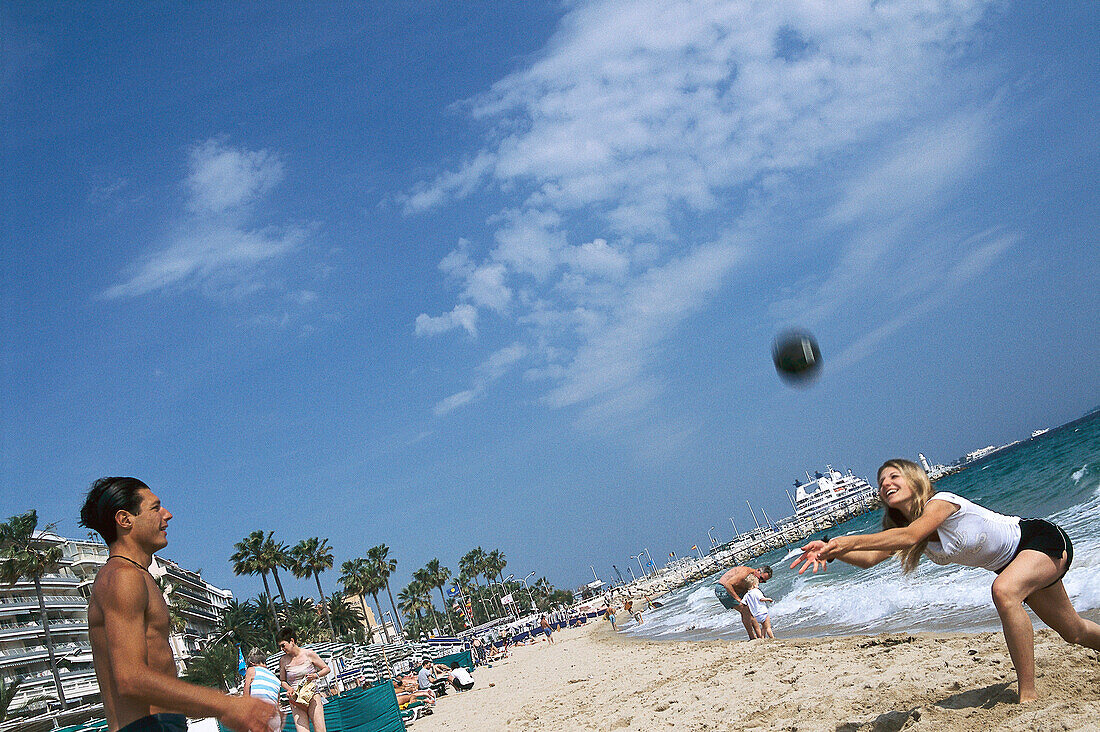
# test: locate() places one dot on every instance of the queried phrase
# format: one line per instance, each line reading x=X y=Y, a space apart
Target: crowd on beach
x=304 y=680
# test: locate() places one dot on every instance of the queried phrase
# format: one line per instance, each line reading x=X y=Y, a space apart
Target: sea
x=1054 y=476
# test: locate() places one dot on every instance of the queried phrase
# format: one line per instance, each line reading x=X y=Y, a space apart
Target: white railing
x=33 y=600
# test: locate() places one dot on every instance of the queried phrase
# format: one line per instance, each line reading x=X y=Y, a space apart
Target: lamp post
x=505 y=591
x=712 y=542
x=639 y=558
x=650 y=556
x=529 y=595
x=736 y=533
x=632 y=577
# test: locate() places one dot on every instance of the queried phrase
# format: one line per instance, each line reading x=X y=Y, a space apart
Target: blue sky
x=442 y=275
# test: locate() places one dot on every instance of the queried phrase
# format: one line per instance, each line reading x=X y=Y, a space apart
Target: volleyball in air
x=797 y=357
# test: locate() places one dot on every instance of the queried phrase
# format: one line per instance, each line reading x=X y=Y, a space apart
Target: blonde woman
x=1030 y=557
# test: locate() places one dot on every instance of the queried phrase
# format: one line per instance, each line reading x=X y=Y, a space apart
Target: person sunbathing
x=406 y=695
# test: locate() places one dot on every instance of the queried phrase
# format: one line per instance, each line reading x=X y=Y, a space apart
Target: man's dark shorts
x=157 y=723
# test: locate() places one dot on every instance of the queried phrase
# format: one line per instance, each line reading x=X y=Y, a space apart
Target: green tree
x=305 y=617
x=311 y=557
x=346 y=618
x=472 y=564
x=240 y=622
x=266 y=619
x=411 y=601
x=8 y=690
x=249 y=559
x=385 y=566
x=494 y=565
x=352 y=577
x=424 y=584
x=276 y=555
x=437 y=577
x=215 y=667
x=24 y=556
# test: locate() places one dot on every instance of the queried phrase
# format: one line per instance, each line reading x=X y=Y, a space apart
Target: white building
x=23 y=651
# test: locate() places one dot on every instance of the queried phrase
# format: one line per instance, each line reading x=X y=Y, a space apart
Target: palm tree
x=345 y=617
x=239 y=620
x=305 y=617
x=351 y=577
x=215 y=667
x=495 y=562
x=311 y=557
x=411 y=600
x=379 y=555
x=438 y=576
x=373 y=583
x=424 y=585
x=249 y=559
x=8 y=689
x=472 y=563
x=23 y=556
x=276 y=555
x=266 y=619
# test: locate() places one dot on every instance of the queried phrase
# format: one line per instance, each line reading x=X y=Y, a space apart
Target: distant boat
x=822 y=493
x=1036 y=433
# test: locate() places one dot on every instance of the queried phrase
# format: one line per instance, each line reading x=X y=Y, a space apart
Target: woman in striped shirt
x=262 y=684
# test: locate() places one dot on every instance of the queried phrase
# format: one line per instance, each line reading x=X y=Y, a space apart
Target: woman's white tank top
x=974 y=536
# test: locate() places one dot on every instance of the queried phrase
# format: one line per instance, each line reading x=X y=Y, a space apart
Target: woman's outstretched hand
x=811 y=557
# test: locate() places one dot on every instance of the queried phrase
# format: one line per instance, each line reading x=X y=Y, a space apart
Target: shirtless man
x=734 y=582
x=128 y=623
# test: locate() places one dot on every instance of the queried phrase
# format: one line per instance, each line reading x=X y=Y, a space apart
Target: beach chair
x=464 y=658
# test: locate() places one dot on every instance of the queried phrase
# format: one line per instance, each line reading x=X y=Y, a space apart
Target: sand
x=594 y=679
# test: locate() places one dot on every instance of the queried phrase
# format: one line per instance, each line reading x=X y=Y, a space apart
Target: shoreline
x=592 y=678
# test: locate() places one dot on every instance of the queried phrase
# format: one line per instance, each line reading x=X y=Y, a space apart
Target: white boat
x=1036 y=433
x=824 y=492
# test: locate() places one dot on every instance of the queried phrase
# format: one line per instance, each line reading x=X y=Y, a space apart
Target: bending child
x=755 y=599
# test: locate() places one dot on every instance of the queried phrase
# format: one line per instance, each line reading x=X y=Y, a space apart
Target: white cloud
x=647 y=127
x=223 y=178
x=501 y=361
x=454 y=401
x=485 y=287
x=214 y=248
x=463 y=316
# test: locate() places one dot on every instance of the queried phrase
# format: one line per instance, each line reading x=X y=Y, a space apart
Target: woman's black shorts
x=1042 y=536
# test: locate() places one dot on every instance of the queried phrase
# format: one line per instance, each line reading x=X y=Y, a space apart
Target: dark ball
x=797 y=357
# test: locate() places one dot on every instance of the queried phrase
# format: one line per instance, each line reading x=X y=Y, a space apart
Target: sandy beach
x=594 y=679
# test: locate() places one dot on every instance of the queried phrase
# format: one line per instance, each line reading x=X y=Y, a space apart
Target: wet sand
x=594 y=679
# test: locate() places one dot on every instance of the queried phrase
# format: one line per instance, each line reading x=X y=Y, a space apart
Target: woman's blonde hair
x=893 y=518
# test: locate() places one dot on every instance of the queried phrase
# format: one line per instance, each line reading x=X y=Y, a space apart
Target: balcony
x=50 y=580
x=75 y=652
x=21 y=603
x=34 y=629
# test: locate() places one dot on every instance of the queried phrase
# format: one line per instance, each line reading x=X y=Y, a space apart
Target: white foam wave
x=1076 y=475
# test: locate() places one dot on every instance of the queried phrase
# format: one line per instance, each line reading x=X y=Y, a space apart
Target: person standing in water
x=1030 y=557
x=734 y=582
x=128 y=623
